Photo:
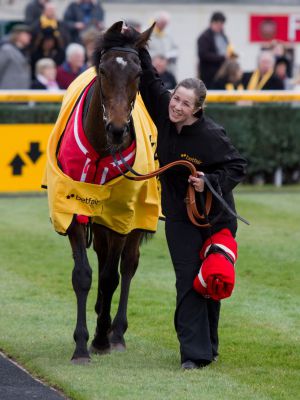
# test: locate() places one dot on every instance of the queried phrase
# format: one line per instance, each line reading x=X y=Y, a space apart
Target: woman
x=229 y=76
x=45 y=75
x=184 y=132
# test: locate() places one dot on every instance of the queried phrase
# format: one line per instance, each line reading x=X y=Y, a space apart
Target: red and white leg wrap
x=216 y=277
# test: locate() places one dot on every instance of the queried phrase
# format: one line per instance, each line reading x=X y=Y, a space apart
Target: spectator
x=82 y=14
x=45 y=75
x=34 y=10
x=48 y=44
x=281 y=71
x=229 y=76
x=160 y=63
x=281 y=50
x=263 y=78
x=213 y=49
x=88 y=39
x=48 y=21
x=14 y=64
x=162 y=42
x=73 y=66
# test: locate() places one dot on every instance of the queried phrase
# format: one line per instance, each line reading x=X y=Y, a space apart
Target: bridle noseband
x=125 y=50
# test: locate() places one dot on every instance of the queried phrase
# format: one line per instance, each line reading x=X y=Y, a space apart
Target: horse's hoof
x=118 y=347
x=100 y=352
x=81 y=360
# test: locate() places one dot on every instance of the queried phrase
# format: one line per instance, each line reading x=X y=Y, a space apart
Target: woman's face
x=182 y=105
x=50 y=73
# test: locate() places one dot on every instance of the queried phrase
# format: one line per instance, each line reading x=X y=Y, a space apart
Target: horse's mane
x=114 y=39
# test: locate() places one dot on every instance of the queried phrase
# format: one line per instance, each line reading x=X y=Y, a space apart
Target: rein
x=195 y=217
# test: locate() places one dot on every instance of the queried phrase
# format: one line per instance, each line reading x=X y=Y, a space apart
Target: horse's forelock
x=114 y=39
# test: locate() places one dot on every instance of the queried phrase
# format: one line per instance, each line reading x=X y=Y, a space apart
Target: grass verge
x=259 y=331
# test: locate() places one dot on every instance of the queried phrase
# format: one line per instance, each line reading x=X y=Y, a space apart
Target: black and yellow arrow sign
x=23 y=156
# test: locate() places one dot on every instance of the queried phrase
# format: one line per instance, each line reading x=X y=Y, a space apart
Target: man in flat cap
x=14 y=66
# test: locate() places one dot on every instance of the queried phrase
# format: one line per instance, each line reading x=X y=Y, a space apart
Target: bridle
x=102 y=97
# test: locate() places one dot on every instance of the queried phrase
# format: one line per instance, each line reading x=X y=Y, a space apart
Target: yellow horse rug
x=118 y=203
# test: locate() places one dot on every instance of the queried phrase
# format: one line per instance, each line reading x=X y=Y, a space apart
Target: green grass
x=259 y=328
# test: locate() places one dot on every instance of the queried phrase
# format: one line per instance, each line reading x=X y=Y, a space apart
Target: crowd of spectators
x=45 y=52
x=69 y=42
x=220 y=69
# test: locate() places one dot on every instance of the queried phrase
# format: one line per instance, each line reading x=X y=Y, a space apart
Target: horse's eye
x=101 y=70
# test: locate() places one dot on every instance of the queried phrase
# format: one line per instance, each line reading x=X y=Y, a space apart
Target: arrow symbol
x=17 y=164
x=34 y=153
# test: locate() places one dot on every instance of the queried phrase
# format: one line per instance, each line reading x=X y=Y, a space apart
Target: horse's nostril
x=108 y=127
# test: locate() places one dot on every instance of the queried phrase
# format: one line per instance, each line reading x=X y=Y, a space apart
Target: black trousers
x=196 y=318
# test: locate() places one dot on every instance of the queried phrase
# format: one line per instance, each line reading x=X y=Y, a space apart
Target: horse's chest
x=79 y=160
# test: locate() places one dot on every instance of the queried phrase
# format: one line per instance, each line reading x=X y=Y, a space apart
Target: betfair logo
x=86 y=200
x=191 y=159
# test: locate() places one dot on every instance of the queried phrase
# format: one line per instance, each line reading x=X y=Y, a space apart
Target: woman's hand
x=197 y=182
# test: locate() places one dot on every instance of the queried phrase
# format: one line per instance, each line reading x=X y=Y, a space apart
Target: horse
x=108 y=126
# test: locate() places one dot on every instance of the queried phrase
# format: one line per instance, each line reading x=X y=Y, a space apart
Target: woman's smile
x=182 y=107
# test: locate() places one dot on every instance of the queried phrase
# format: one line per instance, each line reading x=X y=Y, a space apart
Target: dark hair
x=199 y=88
x=218 y=17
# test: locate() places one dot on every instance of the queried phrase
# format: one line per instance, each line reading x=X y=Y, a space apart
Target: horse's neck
x=93 y=121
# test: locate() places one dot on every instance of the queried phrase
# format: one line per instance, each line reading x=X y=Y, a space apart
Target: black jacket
x=204 y=143
x=209 y=59
x=36 y=84
x=274 y=83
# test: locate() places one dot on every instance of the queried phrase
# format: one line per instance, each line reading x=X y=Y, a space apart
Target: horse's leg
x=129 y=263
x=81 y=280
x=108 y=246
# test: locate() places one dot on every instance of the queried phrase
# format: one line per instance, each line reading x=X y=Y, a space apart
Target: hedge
x=268 y=135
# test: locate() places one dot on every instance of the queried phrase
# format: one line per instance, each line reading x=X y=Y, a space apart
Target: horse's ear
x=116 y=27
x=144 y=37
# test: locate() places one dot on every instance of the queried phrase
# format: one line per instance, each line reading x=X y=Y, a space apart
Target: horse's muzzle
x=116 y=135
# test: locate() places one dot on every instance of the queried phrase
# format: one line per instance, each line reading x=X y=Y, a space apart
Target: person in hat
x=14 y=64
x=213 y=49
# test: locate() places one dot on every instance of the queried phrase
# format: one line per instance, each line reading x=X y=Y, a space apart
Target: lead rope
x=192 y=210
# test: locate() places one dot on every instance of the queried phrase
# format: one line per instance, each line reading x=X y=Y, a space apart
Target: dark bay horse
x=106 y=122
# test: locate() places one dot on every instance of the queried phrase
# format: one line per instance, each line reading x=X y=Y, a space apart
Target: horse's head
x=118 y=68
